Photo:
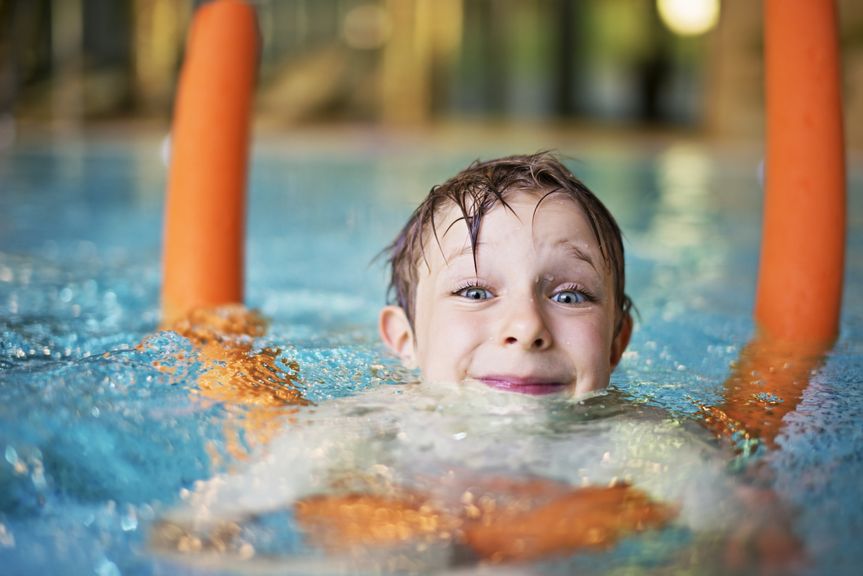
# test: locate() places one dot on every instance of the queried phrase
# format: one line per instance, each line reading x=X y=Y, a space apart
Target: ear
x=621 y=340
x=395 y=331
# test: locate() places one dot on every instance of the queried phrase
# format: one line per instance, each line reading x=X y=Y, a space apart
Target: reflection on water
x=684 y=203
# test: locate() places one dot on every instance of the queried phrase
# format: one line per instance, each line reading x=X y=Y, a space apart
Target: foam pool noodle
x=206 y=205
x=800 y=275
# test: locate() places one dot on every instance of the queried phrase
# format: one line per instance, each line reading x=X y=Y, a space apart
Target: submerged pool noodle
x=799 y=290
x=204 y=235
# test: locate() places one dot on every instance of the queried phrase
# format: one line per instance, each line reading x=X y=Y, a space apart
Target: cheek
x=587 y=341
x=588 y=347
x=446 y=343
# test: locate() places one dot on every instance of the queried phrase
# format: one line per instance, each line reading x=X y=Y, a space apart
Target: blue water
x=99 y=444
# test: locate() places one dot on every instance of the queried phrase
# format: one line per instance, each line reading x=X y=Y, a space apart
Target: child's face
x=536 y=316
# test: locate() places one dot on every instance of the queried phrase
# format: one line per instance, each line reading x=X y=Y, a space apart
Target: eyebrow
x=573 y=249
x=576 y=251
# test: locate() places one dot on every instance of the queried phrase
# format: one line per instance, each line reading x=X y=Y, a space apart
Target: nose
x=525 y=326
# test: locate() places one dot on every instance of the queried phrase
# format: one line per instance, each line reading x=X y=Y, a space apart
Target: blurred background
x=644 y=65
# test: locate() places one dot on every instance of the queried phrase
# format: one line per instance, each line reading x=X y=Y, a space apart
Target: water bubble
x=66 y=294
x=19 y=466
x=11 y=455
x=768 y=398
x=7 y=539
x=129 y=521
x=146 y=512
x=38 y=478
x=107 y=568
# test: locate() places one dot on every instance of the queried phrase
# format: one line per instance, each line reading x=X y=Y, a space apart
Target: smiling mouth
x=523 y=385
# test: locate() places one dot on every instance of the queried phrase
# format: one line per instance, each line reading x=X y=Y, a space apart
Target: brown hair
x=481 y=187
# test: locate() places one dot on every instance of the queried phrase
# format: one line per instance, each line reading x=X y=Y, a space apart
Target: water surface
x=103 y=437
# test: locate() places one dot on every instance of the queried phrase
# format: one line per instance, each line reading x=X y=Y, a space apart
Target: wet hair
x=478 y=189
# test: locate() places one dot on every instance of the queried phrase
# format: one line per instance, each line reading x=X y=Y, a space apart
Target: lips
x=522 y=385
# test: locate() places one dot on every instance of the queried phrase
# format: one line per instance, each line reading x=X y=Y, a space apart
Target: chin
x=587 y=389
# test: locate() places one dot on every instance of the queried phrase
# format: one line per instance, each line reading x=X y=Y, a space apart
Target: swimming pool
x=100 y=444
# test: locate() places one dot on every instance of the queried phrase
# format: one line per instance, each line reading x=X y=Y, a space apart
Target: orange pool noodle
x=205 y=211
x=799 y=290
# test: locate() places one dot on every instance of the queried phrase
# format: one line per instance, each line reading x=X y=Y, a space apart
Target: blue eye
x=474 y=293
x=570 y=297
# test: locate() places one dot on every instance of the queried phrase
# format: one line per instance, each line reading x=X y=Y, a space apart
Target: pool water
x=104 y=439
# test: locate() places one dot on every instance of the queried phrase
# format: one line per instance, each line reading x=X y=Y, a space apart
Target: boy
x=510 y=274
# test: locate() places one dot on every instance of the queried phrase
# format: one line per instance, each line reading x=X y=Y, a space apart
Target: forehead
x=533 y=208
x=541 y=218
